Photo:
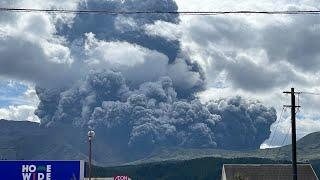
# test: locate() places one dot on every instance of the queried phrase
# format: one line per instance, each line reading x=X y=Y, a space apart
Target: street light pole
x=90 y=137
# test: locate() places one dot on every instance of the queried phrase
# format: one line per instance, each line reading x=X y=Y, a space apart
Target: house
x=266 y=172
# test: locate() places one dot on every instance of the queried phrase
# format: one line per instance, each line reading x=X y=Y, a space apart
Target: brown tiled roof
x=267 y=172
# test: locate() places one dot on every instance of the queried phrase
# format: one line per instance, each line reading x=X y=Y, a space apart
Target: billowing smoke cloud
x=152 y=116
x=129 y=28
x=122 y=43
x=53 y=50
x=140 y=92
x=243 y=122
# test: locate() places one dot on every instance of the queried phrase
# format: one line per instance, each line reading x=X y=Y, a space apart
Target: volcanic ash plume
x=152 y=116
x=140 y=92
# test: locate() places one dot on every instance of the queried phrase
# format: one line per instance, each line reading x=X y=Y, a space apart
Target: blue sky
x=11 y=93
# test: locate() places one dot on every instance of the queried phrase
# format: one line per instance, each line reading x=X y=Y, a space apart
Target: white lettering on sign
x=40 y=172
x=26 y=176
x=48 y=176
x=48 y=168
x=121 y=178
x=29 y=168
x=25 y=168
x=40 y=176
x=32 y=168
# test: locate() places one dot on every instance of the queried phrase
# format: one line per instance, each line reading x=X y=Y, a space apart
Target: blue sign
x=42 y=170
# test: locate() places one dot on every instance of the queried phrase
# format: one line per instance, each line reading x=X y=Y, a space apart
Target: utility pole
x=293 y=128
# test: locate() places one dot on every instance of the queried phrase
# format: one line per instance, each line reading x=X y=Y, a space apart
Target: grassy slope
x=197 y=169
x=308 y=148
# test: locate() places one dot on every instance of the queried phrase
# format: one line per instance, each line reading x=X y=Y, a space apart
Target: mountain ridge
x=29 y=140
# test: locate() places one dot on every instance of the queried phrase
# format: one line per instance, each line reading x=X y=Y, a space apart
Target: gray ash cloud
x=186 y=74
x=129 y=28
x=153 y=116
x=133 y=111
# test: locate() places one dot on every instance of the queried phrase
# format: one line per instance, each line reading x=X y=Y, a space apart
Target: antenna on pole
x=293 y=128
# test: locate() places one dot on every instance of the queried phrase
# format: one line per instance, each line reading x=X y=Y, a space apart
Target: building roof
x=266 y=172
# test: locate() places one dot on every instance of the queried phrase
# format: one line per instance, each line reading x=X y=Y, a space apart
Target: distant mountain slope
x=308 y=148
x=27 y=140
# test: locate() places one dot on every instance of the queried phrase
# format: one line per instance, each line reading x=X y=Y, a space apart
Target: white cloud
x=258 y=52
x=180 y=72
x=125 y=24
x=137 y=63
x=19 y=113
x=22 y=112
x=207 y=5
x=164 y=29
x=30 y=48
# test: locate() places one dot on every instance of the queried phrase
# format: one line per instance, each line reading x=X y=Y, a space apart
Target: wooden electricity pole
x=293 y=128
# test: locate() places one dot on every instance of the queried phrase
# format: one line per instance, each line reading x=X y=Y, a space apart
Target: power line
x=281 y=146
x=112 y=12
x=311 y=93
x=283 y=142
x=275 y=130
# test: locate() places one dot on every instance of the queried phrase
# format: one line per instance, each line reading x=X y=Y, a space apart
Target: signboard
x=42 y=170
